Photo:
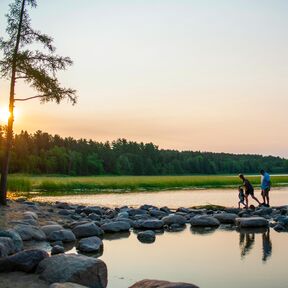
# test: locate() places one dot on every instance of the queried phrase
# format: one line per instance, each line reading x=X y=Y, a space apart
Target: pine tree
x=36 y=67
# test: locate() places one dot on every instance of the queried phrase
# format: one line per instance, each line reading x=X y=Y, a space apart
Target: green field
x=56 y=185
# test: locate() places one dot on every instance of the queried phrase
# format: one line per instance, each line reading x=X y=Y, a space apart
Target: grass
x=59 y=185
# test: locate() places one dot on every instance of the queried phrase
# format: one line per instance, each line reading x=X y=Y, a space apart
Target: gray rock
x=29 y=232
x=47 y=229
x=14 y=235
x=157 y=213
x=63 y=235
x=90 y=244
x=31 y=215
x=96 y=210
x=67 y=285
x=151 y=224
x=280 y=228
x=25 y=261
x=251 y=222
x=94 y=217
x=87 y=230
x=78 y=269
x=174 y=219
x=161 y=284
x=134 y=212
x=226 y=218
x=65 y=212
x=146 y=236
x=57 y=249
x=7 y=246
x=204 y=221
x=118 y=226
x=62 y=205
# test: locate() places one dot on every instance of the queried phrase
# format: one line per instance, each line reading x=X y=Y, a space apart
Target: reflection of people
x=266 y=245
x=265 y=187
x=241 y=197
x=246 y=242
x=249 y=190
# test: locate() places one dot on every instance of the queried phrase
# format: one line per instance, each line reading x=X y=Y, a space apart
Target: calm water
x=172 y=199
x=208 y=258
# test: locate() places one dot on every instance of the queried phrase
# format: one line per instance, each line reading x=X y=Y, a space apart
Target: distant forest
x=42 y=153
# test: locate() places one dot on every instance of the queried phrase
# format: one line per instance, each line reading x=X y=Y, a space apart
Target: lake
x=208 y=258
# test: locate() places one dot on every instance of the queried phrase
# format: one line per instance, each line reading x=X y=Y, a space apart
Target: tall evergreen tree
x=36 y=67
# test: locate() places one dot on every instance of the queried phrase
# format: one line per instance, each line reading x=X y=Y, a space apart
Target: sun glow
x=5 y=114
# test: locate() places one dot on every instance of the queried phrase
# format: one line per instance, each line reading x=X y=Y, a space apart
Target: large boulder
x=174 y=219
x=90 y=244
x=87 y=230
x=30 y=232
x=251 y=222
x=63 y=235
x=7 y=246
x=226 y=218
x=74 y=268
x=117 y=226
x=204 y=221
x=25 y=261
x=161 y=284
x=16 y=238
x=47 y=229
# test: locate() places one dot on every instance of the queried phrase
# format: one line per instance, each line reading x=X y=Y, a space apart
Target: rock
x=152 y=224
x=263 y=211
x=90 y=244
x=161 y=284
x=65 y=212
x=157 y=213
x=226 y=218
x=78 y=269
x=25 y=261
x=134 y=212
x=174 y=219
x=94 y=217
x=146 y=236
x=14 y=235
x=123 y=214
x=7 y=246
x=279 y=227
x=31 y=215
x=87 y=230
x=66 y=285
x=29 y=232
x=47 y=229
x=204 y=221
x=118 y=226
x=96 y=210
x=62 y=205
x=57 y=249
x=251 y=222
x=63 y=235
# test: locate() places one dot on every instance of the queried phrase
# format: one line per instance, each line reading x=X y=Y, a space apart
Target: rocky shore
x=60 y=226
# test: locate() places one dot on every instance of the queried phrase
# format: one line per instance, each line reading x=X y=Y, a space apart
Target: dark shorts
x=249 y=192
x=265 y=192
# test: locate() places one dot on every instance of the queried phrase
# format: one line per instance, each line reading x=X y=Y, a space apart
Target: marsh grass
x=106 y=184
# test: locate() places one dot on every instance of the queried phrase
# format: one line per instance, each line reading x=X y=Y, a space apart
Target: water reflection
x=247 y=241
x=203 y=230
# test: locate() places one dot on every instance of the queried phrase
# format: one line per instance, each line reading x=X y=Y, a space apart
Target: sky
x=199 y=75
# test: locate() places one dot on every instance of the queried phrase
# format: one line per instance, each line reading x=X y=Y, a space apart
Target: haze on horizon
x=188 y=75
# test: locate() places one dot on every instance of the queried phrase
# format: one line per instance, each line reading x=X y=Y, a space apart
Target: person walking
x=249 y=189
x=265 y=187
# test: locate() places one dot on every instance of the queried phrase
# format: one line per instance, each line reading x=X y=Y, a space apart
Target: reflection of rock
x=161 y=284
x=116 y=236
x=203 y=230
x=25 y=261
x=255 y=230
x=204 y=221
x=79 y=269
x=146 y=236
x=251 y=222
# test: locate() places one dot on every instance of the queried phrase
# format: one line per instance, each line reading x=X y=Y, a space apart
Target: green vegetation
x=53 y=185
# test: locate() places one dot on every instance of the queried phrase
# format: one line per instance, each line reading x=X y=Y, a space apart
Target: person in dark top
x=241 y=197
x=249 y=190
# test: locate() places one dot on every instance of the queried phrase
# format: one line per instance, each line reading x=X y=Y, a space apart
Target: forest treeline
x=42 y=153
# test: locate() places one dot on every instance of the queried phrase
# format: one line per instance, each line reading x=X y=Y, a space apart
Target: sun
x=5 y=114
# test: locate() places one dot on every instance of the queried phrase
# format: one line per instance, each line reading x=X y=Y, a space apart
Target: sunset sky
x=187 y=75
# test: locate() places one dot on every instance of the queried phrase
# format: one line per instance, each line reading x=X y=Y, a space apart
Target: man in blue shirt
x=265 y=187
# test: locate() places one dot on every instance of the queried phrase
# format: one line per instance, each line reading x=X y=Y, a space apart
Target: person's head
x=241 y=176
x=240 y=189
x=262 y=172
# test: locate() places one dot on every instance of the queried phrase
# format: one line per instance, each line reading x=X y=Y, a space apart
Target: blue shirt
x=265 y=181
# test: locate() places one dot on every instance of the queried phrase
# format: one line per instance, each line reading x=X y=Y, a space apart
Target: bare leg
x=246 y=198
x=263 y=196
x=267 y=197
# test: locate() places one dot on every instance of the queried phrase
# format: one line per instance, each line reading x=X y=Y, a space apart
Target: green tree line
x=42 y=153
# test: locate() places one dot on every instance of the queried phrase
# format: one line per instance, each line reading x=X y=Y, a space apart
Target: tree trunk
x=9 y=137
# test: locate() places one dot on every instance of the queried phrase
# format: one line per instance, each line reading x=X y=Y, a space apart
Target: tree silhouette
x=36 y=67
